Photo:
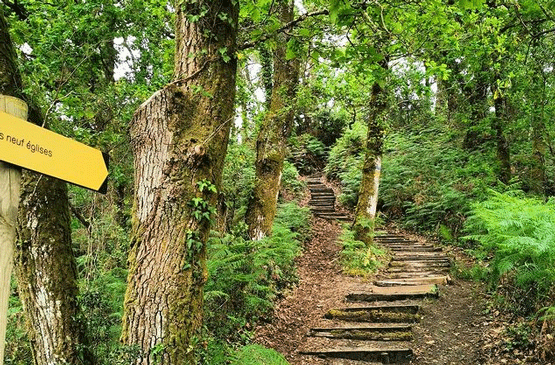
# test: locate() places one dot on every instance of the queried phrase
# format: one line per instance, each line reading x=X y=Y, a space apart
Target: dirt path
x=450 y=330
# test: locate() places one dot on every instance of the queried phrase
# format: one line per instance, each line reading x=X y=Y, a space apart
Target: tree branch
x=286 y=27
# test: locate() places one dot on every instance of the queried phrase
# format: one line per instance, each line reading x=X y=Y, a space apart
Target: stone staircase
x=375 y=326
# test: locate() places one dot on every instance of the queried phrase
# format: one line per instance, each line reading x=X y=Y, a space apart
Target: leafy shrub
x=238 y=182
x=290 y=179
x=347 y=152
x=18 y=350
x=245 y=278
x=258 y=355
x=358 y=258
x=307 y=153
x=517 y=236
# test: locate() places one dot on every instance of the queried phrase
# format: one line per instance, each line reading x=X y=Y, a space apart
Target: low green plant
x=307 y=153
x=290 y=179
x=258 y=355
x=357 y=257
x=245 y=278
x=516 y=235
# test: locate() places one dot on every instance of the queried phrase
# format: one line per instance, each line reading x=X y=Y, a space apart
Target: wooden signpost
x=34 y=148
x=10 y=178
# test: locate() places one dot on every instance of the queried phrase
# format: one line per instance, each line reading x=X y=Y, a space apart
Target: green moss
x=353 y=334
x=372 y=316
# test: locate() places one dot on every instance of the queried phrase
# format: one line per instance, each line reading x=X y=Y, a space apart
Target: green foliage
x=238 y=181
x=258 y=355
x=290 y=179
x=516 y=236
x=307 y=153
x=18 y=350
x=345 y=162
x=102 y=265
x=245 y=277
x=358 y=258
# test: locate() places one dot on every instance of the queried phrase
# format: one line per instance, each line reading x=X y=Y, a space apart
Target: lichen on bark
x=363 y=224
x=179 y=138
x=273 y=135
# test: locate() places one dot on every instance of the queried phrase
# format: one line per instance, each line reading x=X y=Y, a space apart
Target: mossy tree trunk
x=179 y=139
x=502 y=145
x=365 y=213
x=47 y=273
x=476 y=94
x=273 y=134
x=538 y=180
x=44 y=261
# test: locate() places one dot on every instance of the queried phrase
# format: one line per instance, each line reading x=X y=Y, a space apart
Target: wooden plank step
x=412 y=274
x=321 y=190
x=439 y=279
x=320 y=203
x=385 y=356
x=415 y=248
x=415 y=257
x=420 y=263
x=377 y=293
x=416 y=271
x=375 y=314
x=320 y=194
x=323 y=208
x=340 y=217
x=399 y=243
x=366 y=333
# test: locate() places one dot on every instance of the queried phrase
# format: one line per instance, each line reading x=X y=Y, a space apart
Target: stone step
x=382 y=314
x=377 y=293
x=385 y=356
x=373 y=332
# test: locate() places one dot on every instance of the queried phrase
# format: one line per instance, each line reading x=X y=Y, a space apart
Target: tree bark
x=47 y=274
x=477 y=96
x=365 y=213
x=179 y=139
x=502 y=145
x=272 y=138
x=44 y=261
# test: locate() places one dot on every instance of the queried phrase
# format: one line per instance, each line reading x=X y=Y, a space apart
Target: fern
x=357 y=258
x=245 y=278
x=518 y=234
x=258 y=355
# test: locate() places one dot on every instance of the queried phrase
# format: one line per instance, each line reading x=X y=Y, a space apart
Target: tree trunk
x=477 y=102
x=47 y=273
x=45 y=265
x=272 y=138
x=503 y=152
x=368 y=194
x=179 y=139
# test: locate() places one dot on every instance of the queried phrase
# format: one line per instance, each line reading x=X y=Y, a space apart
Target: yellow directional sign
x=32 y=147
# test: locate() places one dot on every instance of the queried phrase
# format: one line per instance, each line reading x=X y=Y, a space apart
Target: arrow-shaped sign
x=32 y=147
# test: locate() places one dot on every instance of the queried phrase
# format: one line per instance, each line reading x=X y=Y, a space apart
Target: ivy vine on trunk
x=179 y=139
